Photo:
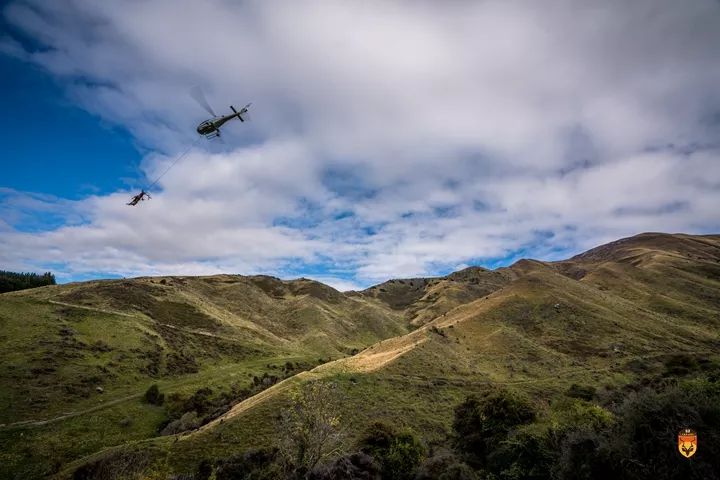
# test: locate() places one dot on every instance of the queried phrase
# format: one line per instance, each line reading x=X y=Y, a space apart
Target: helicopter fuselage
x=212 y=126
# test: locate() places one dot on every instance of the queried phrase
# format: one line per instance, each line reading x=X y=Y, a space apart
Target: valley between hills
x=77 y=359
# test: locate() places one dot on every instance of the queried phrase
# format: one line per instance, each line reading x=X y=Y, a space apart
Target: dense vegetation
x=501 y=435
x=12 y=281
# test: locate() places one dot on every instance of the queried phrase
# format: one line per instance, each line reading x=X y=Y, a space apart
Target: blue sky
x=389 y=139
x=41 y=130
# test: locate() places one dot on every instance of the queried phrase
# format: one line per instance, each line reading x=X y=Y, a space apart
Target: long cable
x=180 y=157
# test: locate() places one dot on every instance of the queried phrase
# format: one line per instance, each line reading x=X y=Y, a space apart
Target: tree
x=640 y=445
x=480 y=424
x=310 y=428
x=11 y=281
x=399 y=453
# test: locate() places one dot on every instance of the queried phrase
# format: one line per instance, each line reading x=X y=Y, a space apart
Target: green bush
x=680 y=365
x=355 y=466
x=398 y=453
x=201 y=401
x=252 y=465
x=581 y=391
x=582 y=415
x=189 y=421
x=641 y=443
x=648 y=420
x=522 y=455
x=458 y=471
x=446 y=466
x=481 y=424
x=585 y=455
x=204 y=471
x=153 y=395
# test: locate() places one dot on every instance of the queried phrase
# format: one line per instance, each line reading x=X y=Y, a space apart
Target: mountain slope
x=541 y=333
x=95 y=347
x=423 y=299
x=406 y=351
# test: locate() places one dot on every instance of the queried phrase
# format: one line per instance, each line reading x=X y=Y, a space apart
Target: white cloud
x=451 y=132
x=339 y=284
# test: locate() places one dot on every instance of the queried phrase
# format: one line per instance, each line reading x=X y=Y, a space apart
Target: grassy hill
x=407 y=351
x=95 y=347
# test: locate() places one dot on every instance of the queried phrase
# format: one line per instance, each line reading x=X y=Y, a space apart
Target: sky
x=389 y=138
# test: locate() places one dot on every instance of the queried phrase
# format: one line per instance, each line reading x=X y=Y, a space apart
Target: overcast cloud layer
x=389 y=138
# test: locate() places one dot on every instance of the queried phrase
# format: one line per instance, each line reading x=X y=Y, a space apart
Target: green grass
x=61 y=344
x=612 y=321
x=545 y=334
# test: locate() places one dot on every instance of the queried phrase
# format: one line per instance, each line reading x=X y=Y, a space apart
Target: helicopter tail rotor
x=245 y=114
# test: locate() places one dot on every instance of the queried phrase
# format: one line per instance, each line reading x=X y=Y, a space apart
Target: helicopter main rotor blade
x=197 y=94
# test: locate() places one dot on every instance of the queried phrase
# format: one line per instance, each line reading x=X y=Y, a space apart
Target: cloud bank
x=389 y=138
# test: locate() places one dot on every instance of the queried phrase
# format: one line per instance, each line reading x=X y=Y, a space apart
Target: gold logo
x=687 y=442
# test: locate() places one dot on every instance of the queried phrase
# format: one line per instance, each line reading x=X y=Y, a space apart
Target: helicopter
x=210 y=128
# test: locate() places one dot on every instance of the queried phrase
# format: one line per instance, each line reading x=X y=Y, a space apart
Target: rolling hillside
x=97 y=346
x=76 y=359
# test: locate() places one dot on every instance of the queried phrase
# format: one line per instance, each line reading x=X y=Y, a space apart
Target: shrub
x=480 y=425
x=175 y=405
x=641 y=443
x=583 y=415
x=580 y=391
x=200 y=401
x=438 y=331
x=458 y=471
x=153 y=395
x=522 y=455
x=181 y=363
x=204 y=471
x=444 y=465
x=648 y=419
x=252 y=465
x=398 y=453
x=584 y=455
x=680 y=364
x=355 y=466
x=189 y=421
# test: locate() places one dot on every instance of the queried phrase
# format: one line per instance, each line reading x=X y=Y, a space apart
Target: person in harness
x=139 y=198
